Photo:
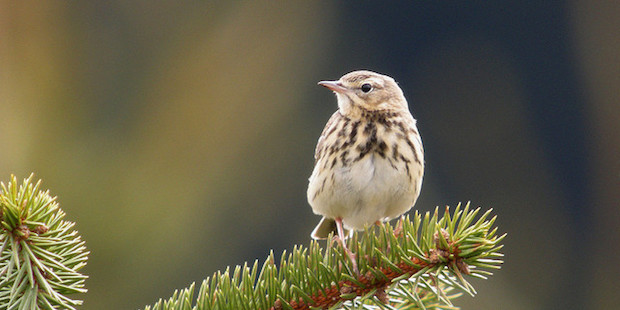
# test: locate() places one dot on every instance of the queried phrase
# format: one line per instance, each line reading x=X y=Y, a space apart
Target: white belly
x=367 y=191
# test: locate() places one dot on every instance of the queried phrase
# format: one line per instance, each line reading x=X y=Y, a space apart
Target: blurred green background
x=180 y=136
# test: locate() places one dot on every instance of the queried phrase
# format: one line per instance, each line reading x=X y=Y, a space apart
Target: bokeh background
x=180 y=136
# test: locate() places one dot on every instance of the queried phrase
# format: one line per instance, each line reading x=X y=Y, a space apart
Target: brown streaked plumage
x=369 y=160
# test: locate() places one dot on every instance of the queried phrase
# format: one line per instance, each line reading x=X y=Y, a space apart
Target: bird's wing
x=330 y=127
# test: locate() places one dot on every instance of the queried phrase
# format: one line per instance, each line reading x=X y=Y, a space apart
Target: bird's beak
x=333 y=85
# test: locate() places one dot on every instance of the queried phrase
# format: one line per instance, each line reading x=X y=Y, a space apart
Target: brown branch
x=370 y=282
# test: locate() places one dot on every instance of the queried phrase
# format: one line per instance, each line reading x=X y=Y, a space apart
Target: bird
x=369 y=159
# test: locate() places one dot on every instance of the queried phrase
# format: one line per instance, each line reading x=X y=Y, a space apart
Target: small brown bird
x=369 y=160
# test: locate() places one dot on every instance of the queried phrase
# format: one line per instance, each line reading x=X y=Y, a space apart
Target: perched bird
x=369 y=160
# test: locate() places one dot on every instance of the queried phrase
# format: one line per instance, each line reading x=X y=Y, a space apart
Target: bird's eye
x=366 y=87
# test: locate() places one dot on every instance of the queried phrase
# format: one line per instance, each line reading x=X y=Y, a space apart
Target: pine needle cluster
x=40 y=253
x=420 y=263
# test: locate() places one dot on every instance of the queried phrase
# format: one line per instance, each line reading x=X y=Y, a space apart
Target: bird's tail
x=325 y=227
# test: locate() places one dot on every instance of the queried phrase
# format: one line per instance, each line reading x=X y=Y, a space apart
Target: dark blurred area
x=180 y=136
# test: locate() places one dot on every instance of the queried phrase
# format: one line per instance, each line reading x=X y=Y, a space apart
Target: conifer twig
x=40 y=253
x=417 y=264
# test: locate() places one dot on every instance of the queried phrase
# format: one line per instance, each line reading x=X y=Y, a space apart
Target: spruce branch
x=40 y=253
x=419 y=263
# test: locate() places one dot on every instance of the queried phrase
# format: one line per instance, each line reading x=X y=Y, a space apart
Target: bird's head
x=367 y=90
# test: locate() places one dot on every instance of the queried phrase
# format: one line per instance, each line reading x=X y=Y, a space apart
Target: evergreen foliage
x=422 y=262
x=40 y=253
x=417 y=264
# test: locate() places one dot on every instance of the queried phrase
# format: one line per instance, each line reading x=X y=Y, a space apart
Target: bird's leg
x=399 y=227
x=344 y=245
